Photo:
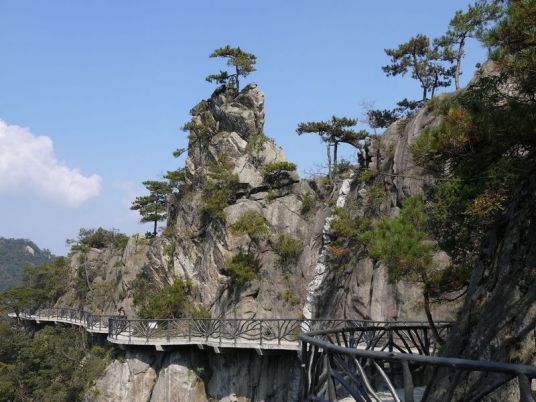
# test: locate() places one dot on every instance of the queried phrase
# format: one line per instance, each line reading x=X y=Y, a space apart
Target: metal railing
x=92 y=322
x=334 y=368
x=269 y=332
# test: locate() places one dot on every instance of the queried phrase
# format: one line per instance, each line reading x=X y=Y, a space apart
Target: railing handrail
x=452 y=362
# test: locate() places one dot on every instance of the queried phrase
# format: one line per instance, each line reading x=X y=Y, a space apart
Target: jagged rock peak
x=230 y=125
x=242 y=113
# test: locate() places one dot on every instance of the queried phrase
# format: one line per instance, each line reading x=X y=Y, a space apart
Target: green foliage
x=272 y=195
x=243 y=267
x=255 y=147
x=381 y=118
x=98 y=238
x=288 y=249
x=53 y=364
x=419 y=58
x=289 y=297
x=512 y=45
x=218 y=188
x=48 y=281
x=276 y=172
x=19 y=299
x=169 y=301
x=179 y=151
x=201 y=131
x=333 y=132
x=345 y=232
x=308 y=202
x=15 y=255
x=465 y=25
x=242 y=62
x=368 y=175
x=176 y=178
x=400 y=242
x=153 y=207
x=253 y=224
x=375 y=197
x=343 y=166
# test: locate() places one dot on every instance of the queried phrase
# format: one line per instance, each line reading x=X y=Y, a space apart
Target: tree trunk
x=335 y=146
x=237 y=83
x=329 y=158
x=435 y=332
x=424 y=93
x=459 y=64
x=155 y=217
x=436 y=79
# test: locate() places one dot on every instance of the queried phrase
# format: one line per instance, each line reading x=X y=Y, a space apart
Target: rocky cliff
x=498 y=318
x=233 y=169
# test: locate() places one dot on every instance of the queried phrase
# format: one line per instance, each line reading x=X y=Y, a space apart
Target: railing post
x=408 y=382
x=332 y=395
x=190 y=330
x=260 y=332
x=168 y=330
x=129 y=329
x=525 y=393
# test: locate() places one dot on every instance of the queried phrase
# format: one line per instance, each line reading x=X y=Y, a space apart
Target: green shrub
x=52 y=363
x=98 y=238
x=253 y=224
x=201 y=130
x=376 y=196
x=308 y=202
x=288 y=249
x=255 y=147
x=170 y=301
x=218 y=187
x=272 y=195
x=368 y=175
x=343 y=166
x=275 y=172
x=200 y=311
x=289 y=297
x=243 y=267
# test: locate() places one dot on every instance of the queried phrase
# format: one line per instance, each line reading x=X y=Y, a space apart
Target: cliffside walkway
x=342 y=360
x=258 y=334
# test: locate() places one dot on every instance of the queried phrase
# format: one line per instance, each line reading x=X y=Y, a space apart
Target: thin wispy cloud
x=28 y=165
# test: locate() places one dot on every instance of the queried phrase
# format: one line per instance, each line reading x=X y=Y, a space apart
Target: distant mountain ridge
x=15 y=254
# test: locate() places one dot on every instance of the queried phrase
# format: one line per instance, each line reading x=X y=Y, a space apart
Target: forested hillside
x=15 y=254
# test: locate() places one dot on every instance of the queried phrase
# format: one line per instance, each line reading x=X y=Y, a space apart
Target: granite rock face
x=498 y=318
x=198 y=248
x=130 y=380
x=201 y=376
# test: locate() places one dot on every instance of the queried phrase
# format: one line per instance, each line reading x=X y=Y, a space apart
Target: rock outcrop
x=227 y=142
x=498 y=318
x=202 y=376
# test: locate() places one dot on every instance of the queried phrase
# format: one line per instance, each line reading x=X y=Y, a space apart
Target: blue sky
x=110 y=83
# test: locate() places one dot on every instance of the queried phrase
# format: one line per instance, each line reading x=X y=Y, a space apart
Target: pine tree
x=464 y=25
x=241 y=61
x=153 y=207
x=333 y=132
x=423 y=61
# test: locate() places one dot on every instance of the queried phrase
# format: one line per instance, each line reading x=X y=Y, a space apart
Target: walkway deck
x=257 y=334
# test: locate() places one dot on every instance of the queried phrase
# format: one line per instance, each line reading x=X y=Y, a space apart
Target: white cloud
x=28 y=165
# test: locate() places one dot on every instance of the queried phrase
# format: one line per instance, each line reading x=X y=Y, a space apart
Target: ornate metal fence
x=92 y=322
x=336 y=368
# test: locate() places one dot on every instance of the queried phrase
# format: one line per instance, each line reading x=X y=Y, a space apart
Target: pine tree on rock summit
x=418 y=57
x=242 y=62
x=464 y=25
x=333 y=132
